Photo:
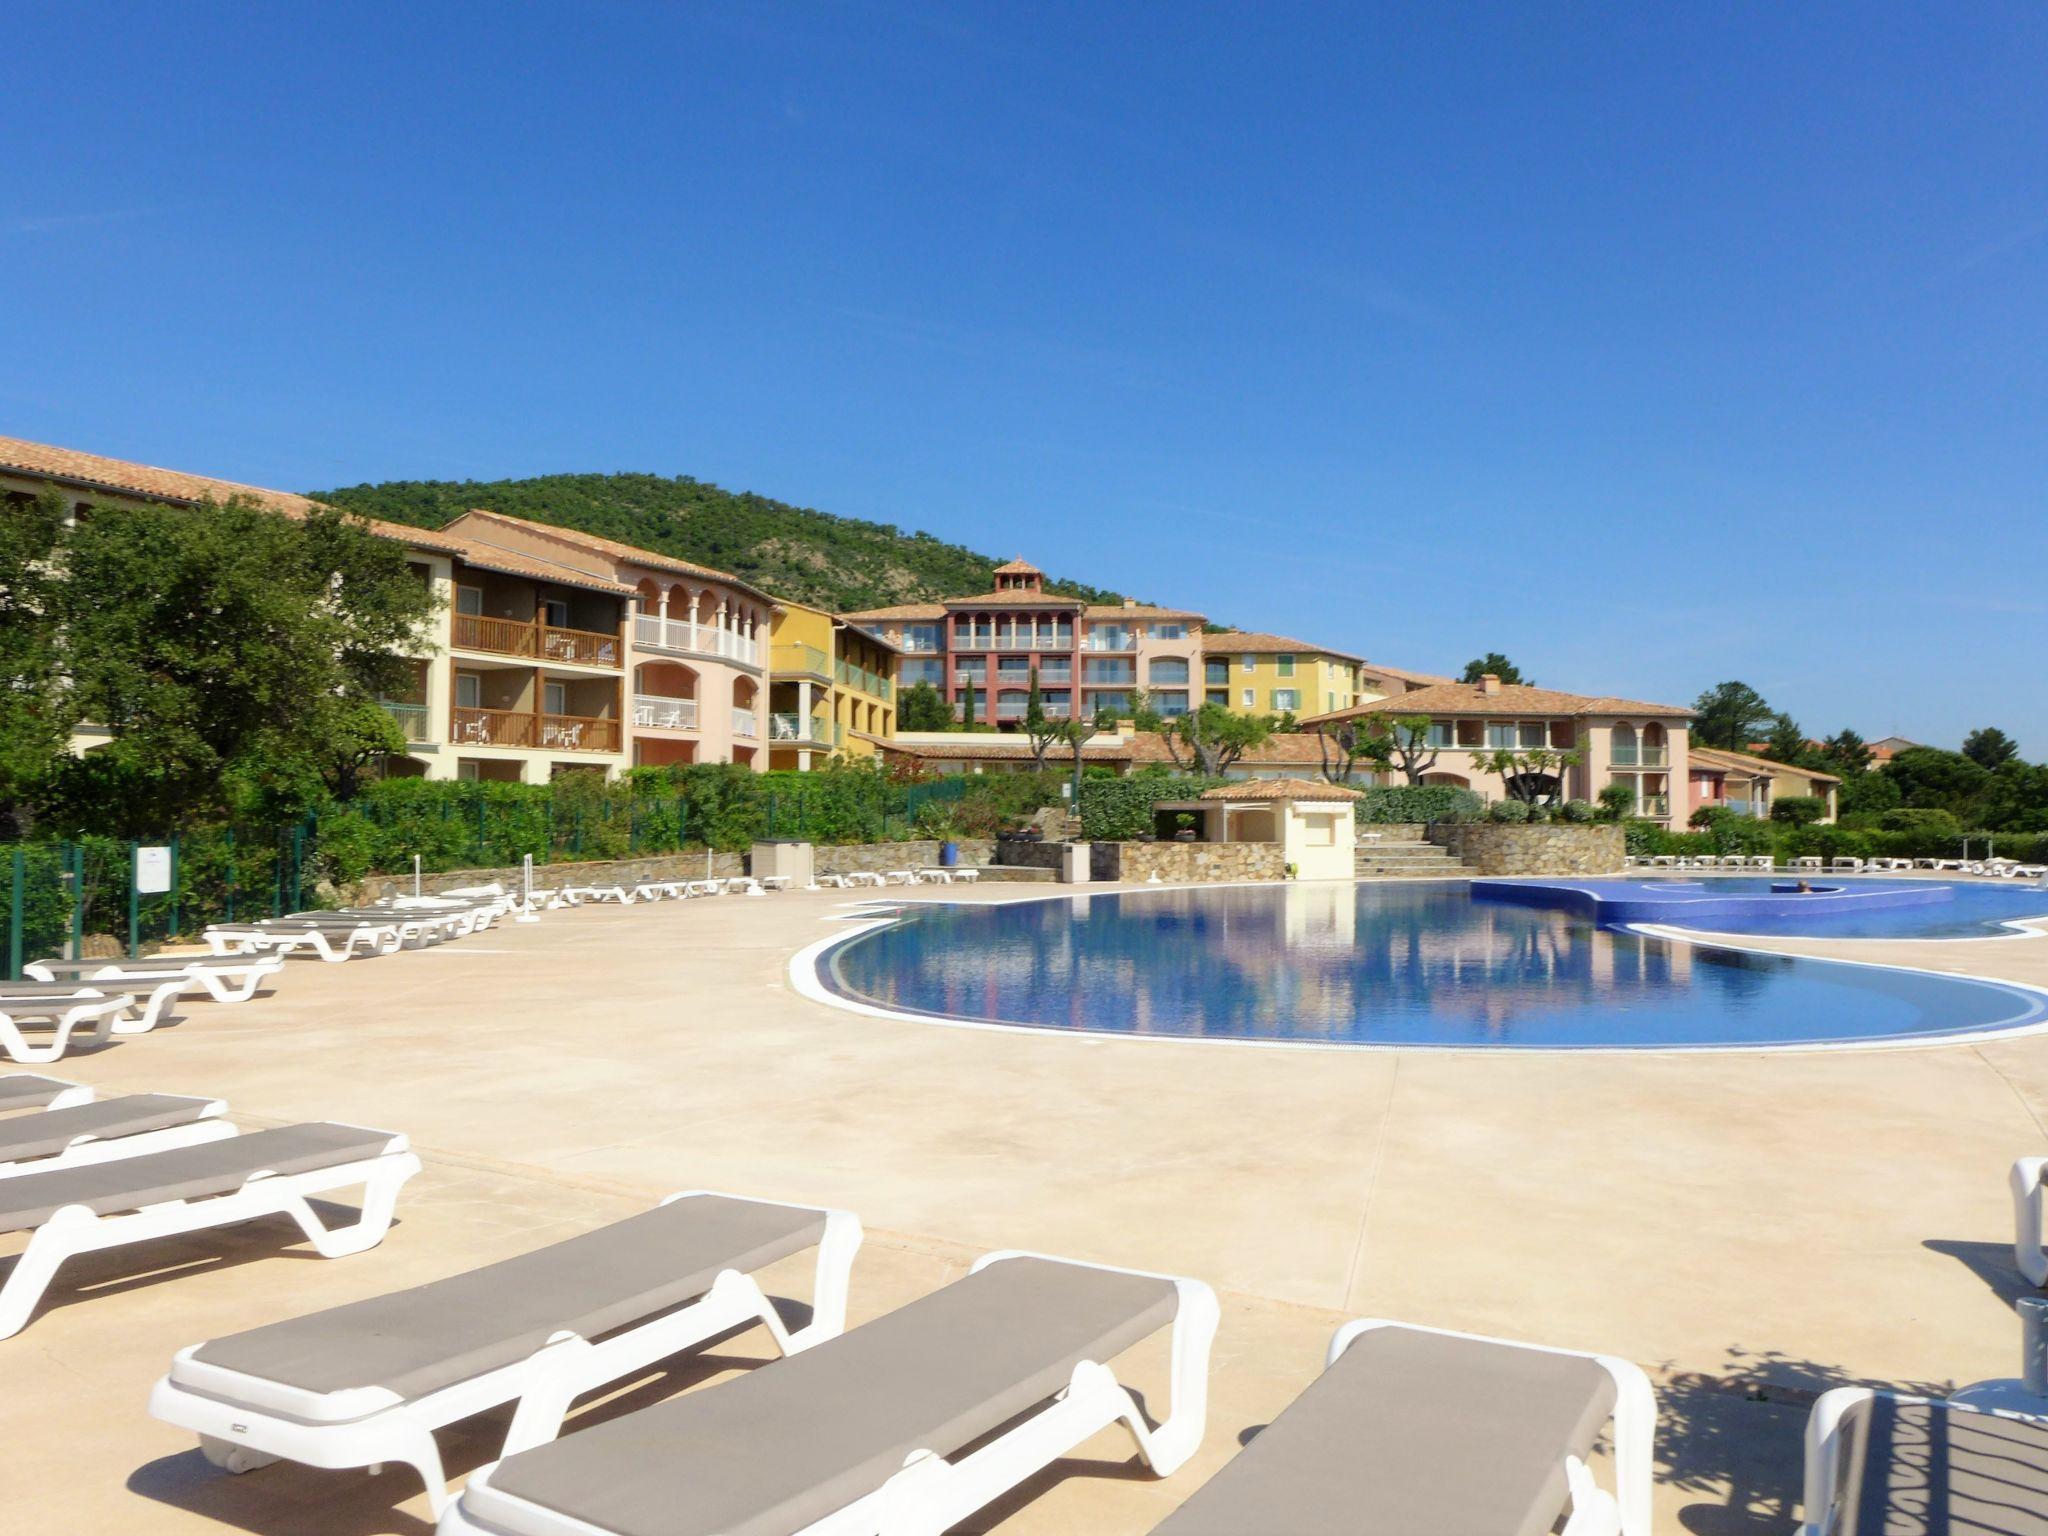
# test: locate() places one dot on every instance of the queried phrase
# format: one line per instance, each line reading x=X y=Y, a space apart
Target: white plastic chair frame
x=245 y=1422
x=333 y=945
x=98 y=1011
x=930 y=1494
x=76 y=1229
x=223 y=983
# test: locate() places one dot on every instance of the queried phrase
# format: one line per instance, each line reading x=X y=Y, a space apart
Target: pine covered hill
x=832 y=562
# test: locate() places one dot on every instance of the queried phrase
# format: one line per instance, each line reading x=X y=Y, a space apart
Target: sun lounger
x=1413 y=1430
x=862 y=877
x=772 y=882
x=149 y=1000
x=224 y=978
x=107 y=1205
x=27 y=1090
x=828 y=882
x=966 y=872
x=332 y=942
x=1809 y=862
x=1846 y=866
x=617 y=894
x=859 y=1433
x=1880 y=1463
x=368 y=1382
x=741 y=885
x=898 y=877
x=64 y=1008
x=129 y=1126
x=936 y=875
x=1763 y=861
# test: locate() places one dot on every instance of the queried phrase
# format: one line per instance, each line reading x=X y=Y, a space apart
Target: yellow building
x=831 y=687
x=1257 y=674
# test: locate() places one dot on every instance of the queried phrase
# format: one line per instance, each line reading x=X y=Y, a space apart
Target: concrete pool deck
x=1749 y=1227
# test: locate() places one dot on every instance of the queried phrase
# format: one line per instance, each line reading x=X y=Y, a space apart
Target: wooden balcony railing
x=541 y=642
x=469 y=727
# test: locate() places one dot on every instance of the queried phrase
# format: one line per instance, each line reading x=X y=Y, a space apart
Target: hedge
x=1118 y=810
x=1418 y=802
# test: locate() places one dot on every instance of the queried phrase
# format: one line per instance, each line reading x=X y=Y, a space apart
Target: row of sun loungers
x=911 y=1422
x=65 y=1002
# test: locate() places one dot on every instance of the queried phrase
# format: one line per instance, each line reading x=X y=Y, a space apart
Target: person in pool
x=1804 y=888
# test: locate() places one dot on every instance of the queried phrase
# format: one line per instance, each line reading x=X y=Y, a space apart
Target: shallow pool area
x=1414 y=964
x=1834 y=907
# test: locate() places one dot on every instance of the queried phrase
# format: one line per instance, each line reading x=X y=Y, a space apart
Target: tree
x=36 y=710
x=1210 y=739
x=1617 y=802
x=1499 y=666
x=1989 y=747
x=921 y=707
x=1041 y=729
x=1403 y=742
x=967 y=703
x=223 y=643
x=1535 y=776
x=1798 y=810
x=1345 y=744
x=1787 y=742
x=1730 y=716
x=1846 y=753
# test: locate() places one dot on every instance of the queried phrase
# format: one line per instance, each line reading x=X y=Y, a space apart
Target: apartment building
x=696 y=640
x=832 y=687
x=1643 y=747
x=1261 y=674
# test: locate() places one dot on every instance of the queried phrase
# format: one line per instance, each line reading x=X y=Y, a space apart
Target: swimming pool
x=1414 y=964
x=1835 y=907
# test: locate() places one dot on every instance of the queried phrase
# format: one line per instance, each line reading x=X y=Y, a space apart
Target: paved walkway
x=1749 y=1227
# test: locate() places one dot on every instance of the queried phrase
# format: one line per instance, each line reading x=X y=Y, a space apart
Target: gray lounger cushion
x=150 y=966
x=187 y=1173
x=785 y=1445
x=432 y=1336
x=1920 y=1467
x=46 y=990
x=27 y=1090
x=53 y=1130
x=1411 y=1432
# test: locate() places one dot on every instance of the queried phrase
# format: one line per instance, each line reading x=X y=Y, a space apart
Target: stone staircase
x=1402 y=852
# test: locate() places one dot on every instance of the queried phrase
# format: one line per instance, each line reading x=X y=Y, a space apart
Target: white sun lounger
x=773 y=882
x=369 y=1382
x=224 y=978
x=860 y=1434
x=1882 y=1463
x=149 y=1000
x=129 y=1126
x=1416 y=1430
x=333 y=943
x=1763 y=861
x=617 y=894
x=936 y=874
x=829 y=882
x=863 y=877
x=1809 y=861
x=28 y=1090
x=107 y=1205
x=1846 y=866
x=898 y=877
x=65 y=1009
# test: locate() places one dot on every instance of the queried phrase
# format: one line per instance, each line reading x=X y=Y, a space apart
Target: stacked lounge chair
x=67 y=1010
x=369 y=1382
x=28 y=1090
x=224 y=978
x=102 y=1129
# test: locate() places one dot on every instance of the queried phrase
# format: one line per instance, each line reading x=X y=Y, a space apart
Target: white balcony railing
x=1001 y=640
x=657 y=713
x=1110 y=643
x=651 y=632
x=746 y=723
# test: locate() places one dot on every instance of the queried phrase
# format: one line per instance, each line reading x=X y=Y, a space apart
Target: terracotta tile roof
x=1018 y=567
x=900 y=612
x=511 y=562
x=1252 y=643
x=95 y=472
x=1024 y=599
x=1282 y=749
x=1513 y=700
x=1738 y=762
x=1137 y=611
x=1420 y=679
x=1281 y=789
x=594 y=543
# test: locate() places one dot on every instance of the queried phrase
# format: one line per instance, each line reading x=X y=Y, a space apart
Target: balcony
x=860 y=677
x=656 y=712
x=790 y=658
x=1110 y=643
x=1013 y=677
x=412 y=719
x=745 y=723
x=794 y=727
x=544 y=643
x=1638 y=757
x=1654 y=807
x=469 y=727
x=651 y=632
x=1011 y=640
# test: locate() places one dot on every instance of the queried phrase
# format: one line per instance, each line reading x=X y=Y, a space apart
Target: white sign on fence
x=152 y=871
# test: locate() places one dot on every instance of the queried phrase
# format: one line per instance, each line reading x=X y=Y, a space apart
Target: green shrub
x=1117 y=810
x=1925 y=820
x=1417 y=802
x=1798 y=810
x=1617 y=803
x=1579 y=810
x=1509 y=811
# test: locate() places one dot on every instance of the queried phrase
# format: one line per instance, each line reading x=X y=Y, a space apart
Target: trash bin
x=1074 y=860
x=949 y=854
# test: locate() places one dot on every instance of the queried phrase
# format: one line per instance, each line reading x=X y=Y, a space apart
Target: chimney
x=1130 y=602
x=1489 y=682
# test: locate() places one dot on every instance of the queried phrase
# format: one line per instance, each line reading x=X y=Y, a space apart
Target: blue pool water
x=1408 y=965
x=1836 y=908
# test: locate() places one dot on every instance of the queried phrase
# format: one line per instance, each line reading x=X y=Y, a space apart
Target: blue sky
x=1652 y=347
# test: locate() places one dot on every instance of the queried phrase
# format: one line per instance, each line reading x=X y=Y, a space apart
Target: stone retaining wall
x=1503 y=848
x=1184 y=863
x=1045 y=855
